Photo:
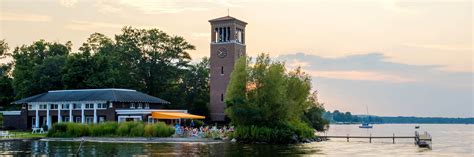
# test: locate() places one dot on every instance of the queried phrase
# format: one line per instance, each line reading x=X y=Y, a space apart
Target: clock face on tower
x=222 y=52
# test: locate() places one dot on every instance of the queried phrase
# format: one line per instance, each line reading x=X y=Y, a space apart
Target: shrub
x=103 y=129
x=137 y=130
x=148 y=131
x=123 y=129
x=163 y=130
x=277 y=134
x=130 y=129
x=68 y=130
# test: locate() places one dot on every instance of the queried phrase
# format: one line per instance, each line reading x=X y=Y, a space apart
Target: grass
x=26 y=134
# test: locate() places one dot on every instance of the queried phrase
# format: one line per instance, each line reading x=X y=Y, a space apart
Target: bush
x=125 y=129
x=148 y=131
x=163 y=130
x=137 y=130
x=103 y=129
x=68 y=130
x=283 y=133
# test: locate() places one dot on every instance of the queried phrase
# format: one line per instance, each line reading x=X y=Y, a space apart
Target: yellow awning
x=175 y=115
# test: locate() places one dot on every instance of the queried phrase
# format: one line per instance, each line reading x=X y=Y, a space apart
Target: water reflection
x=452 y=140
x=125 y=149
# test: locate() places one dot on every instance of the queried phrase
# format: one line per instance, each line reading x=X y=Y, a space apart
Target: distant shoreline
x=357 y=119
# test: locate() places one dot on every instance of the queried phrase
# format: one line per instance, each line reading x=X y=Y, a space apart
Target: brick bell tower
x=227 y=45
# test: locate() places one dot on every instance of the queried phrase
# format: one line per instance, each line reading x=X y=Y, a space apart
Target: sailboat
x=366 y=125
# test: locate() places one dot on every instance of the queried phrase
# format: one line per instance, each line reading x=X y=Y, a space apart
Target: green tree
x=154 y=61
x=266 y=96
x=6 y=94
x=314 y=115
x=196 y=88
x=29 y=72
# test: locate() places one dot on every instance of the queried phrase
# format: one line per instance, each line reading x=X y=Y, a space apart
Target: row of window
x=139 y=106
x=77 y=119
x=66 y=106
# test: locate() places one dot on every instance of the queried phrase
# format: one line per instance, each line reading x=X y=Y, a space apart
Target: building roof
x=227 y=18
x=109 y=94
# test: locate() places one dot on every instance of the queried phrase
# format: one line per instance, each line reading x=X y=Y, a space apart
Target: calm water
x=448 y=140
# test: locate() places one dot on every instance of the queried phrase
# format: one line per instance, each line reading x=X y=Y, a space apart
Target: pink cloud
x=361 y=75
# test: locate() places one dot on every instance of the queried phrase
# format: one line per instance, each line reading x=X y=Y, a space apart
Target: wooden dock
x=423 y=140
x=370 y=137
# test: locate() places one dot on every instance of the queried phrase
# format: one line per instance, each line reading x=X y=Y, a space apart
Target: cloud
x=350 y=83
x=161 y=6
x=375 y=67
x=24 y=17
x=67 y=3
x=361 y=76
x=107 y=6
x=89 y=25
x=81 y=25
x=200 y=35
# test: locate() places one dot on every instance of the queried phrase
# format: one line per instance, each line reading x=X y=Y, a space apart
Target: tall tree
x=6 y=94
x=29 y=71
x=155 y=59
x=196 y=88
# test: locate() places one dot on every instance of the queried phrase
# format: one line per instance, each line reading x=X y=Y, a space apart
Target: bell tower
x=227 y=45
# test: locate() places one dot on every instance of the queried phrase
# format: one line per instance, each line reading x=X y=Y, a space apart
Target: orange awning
x=175 y=115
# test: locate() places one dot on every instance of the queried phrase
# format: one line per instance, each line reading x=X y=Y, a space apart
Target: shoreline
x=134 y=140
x=119 y=139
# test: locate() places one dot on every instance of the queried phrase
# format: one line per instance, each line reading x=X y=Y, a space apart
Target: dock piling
x=347 y=137
x=393 y=137
x=370 y=138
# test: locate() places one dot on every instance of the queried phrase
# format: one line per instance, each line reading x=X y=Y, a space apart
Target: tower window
x=222 y=70
x=222 y=97
x=216 y=35
x=221 y=34
x=228 y=33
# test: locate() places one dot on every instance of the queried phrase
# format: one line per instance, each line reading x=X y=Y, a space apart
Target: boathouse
x=87 y=106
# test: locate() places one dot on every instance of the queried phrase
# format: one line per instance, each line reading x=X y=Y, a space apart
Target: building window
x=222 y=97
x=66 y=119
x=147 y=106
x=140 y=106
x=101 y=119
x=89 y=120
x=30 y=107
x=77 y=106
x=54 y=106
x=101 y=105
x=78 y=119
x=222 y=70
x=43 y=106
x=89 y=106
x=65 y=106
x=132 y=105
x=33 y=122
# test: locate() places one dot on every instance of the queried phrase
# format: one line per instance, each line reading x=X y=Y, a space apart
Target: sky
x=395 y=57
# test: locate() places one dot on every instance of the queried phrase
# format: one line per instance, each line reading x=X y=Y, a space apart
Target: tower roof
x=227 y=18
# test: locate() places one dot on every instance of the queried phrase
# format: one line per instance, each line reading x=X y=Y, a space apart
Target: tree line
x=348 y=117
x=147 y=60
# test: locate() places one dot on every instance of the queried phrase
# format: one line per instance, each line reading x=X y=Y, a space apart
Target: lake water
x=448 y=140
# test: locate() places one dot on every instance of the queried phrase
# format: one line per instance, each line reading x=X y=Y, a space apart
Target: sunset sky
x=396 y=57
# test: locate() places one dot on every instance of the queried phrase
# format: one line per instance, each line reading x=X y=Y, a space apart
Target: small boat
x=417 y=127
x=423 y=140
x=366 y=126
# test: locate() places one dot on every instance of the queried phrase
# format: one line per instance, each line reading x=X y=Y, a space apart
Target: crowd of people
x=202 y=131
